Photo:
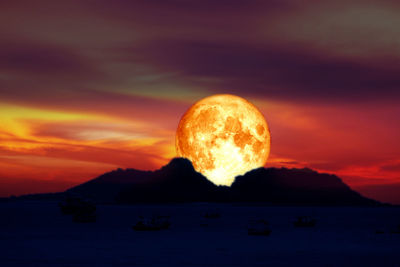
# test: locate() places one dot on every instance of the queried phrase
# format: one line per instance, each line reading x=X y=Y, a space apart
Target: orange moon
x=223 y=136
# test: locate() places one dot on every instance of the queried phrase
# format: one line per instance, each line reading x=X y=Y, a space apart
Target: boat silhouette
x=154 y=223
x=305 y=221
x=259 y=227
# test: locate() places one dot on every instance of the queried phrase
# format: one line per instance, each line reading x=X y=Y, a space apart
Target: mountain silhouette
x=179 y=182
x=175 y=182
x=295 y=186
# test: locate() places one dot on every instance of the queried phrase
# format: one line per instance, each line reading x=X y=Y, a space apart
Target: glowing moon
x=223 y=136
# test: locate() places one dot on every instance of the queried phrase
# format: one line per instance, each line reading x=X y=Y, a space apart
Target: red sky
x=90 y=86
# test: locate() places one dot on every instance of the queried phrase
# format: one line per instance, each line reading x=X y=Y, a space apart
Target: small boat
x=154 y=223
x=259 y=227
x=212 y=215
x=305 y=221
x=73 y=205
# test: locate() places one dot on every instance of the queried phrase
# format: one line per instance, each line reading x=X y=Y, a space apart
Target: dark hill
x=179 y=182
x=175 y=182
x=295 y=186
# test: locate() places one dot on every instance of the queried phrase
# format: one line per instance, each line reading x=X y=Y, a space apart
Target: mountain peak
x=180 y=164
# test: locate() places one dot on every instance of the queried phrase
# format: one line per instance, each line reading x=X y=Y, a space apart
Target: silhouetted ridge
x=106 y=187
x=175 y=182
x=295 y=186
x=179 y=182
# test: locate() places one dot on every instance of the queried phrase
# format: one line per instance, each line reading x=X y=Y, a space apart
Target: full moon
x=223 y=136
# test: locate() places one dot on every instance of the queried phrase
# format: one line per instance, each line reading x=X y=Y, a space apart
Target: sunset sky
x=90 y=86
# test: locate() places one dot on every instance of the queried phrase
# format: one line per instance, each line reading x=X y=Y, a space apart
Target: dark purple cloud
x=278 y=72
x=32 y=58
x=218 y=45
x=175 y=11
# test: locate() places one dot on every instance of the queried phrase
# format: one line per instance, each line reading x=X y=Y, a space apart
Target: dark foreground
x=37 y=234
